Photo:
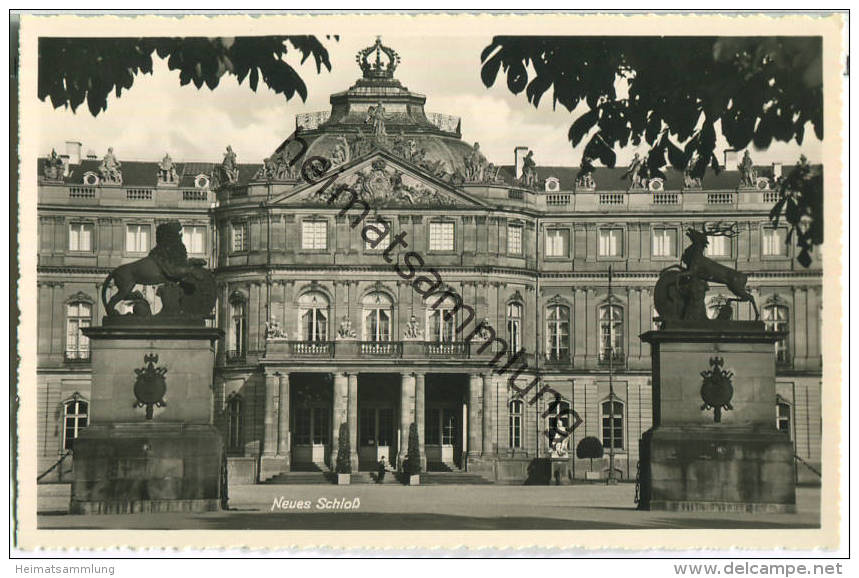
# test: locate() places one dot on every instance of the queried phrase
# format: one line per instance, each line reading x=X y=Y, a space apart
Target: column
x=283 y=416
x=420 y=415
x=353 y=420
x=341 y=392
x=269 y=443
x=475 y=427
x=407 y=412
x=488 y=415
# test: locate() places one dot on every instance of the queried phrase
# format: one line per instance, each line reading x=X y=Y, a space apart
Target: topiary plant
x=590 y=448
x=412 y=465
x=344 y=463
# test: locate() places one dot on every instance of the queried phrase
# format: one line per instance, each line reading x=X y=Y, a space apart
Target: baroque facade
x=376 y=270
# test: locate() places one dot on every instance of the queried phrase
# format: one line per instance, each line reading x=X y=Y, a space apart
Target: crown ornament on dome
x=371 y=62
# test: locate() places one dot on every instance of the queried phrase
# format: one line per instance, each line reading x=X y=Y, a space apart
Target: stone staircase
x=452 y=478
x=301 y=478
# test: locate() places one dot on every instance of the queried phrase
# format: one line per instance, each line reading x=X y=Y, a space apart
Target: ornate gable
x=380 y=180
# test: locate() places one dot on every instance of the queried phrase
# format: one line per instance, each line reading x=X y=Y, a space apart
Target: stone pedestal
x=561 y=472
x=725 y=458
x=173 y=461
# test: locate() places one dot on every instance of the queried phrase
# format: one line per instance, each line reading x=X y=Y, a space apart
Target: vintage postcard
x=431 y=281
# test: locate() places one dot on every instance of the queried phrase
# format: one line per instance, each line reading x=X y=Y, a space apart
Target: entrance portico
x=304 y=411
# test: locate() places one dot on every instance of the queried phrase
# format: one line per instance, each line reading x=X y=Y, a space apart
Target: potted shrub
x=412 y=465
x=590 y=448
x=343 y=465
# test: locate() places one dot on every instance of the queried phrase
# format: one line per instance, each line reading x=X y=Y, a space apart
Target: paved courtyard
x=394 y=507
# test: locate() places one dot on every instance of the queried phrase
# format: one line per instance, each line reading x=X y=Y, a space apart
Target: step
x=453 y=478
x=300 y=478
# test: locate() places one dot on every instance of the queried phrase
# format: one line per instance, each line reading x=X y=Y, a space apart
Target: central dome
x=378 y=111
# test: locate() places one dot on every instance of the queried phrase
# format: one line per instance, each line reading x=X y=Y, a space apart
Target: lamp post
x=610 y=352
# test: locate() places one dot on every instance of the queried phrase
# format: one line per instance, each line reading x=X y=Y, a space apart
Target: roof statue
x=229 y=170
x=375 y=67
x=475 y=165
x=748 y=173
x=53 y=167
x=109 y=170
x=376 y=117
x=529 y=170
x=167 y=170
x=691 y=174
x=585 y=176
x=636 y=173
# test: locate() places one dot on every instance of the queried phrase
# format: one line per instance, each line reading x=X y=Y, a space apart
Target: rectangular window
x=718 y=246
x=664 y=242
x=773 y=242
x=612 y=424
x=314 y=235
x=557 y=242
x=441 y=237
x=374 y=234
x=194 y=238
x=240 y=237
x=448 y=425
x=514 y=439
x=137 y=238
x=611 y=242
x=76 y=414
x=514 y=239
x=80 y=237
x=783 y=417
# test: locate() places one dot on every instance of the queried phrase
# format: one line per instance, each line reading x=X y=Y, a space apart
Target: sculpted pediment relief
x=380 y=182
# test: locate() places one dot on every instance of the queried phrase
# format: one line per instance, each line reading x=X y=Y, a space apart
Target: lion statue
x=191 y=287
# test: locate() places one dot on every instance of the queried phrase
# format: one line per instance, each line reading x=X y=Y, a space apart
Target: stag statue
x=681 y=289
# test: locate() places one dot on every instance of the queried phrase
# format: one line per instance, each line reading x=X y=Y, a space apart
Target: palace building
x=376 y=270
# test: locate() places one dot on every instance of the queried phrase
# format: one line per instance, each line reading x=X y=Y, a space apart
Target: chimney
x=73 y=151
x=730 y=160
x=519 y=159
x=776 y=171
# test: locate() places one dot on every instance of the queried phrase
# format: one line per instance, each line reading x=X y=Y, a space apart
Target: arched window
x=558 y=332
x=78 y=316
x=514 y=326
x=75 y=417
x=378 y=312
x=782 y=415
x=775 y=317
x=238 y=328
x=234 y=422
x=313 y=316
x=441 y=321
x=612 y=424
x=515 y=408
x=611 y=333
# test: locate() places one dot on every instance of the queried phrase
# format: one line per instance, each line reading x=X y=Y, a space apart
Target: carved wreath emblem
x=150 y=386
x=717 y=390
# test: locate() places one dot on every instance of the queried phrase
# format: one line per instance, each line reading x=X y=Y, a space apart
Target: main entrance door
x=442 y=427
x=376 y=435
x=444 y=420
x=378 y=419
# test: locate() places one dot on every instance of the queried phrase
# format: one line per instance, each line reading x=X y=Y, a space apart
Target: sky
x=158 y=116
